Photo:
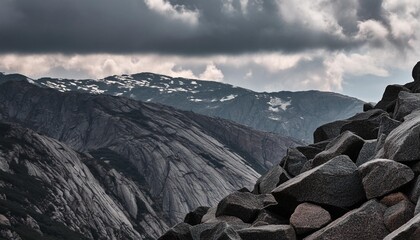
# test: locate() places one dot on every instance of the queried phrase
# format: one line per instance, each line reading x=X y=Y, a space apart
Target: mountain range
x=149 y=162
x=293 y=114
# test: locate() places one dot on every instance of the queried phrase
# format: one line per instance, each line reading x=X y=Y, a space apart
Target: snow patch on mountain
x=277 y=103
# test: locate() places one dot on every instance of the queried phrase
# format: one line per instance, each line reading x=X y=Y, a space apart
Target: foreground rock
x=408 y=231
x=398 y=215
x=364 y=223
x=382 y=176
x=402 y=144
x=309 y=217
x=194 y=217
x=220 y=231
x=245 y=206
x=267 y=182
x=281 y=232
x=336 y=183
x=179 y=232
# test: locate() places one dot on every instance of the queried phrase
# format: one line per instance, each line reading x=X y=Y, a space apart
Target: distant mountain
x=295 y=114
x=149 y=162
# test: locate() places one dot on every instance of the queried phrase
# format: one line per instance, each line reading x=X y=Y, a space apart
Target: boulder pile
x=360 y=179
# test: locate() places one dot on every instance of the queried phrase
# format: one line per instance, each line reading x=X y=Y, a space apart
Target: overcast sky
x=355 y=47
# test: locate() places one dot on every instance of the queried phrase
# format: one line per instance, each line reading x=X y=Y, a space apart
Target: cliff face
x=155 y=162
x=295 y=114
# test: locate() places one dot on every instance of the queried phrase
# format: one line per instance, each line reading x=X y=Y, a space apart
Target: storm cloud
x=264 y=45
x=180 y=26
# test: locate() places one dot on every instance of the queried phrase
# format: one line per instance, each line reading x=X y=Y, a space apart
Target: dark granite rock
x=416 y=72
x=328 y=131
x=406 y=104
x=394 y=198
x=398 y=215
x=310 y=151
x=363 y=223
x=387 y=125
x=335 y=183
x=280 y=232
x=294 y=161
x=346 y=144
x=408 y=231
x=245 y=206
x=382 y=176
x=402 y=144
x=309 y=217
x=180 y=231
x=267 y=182
x=219 y=231
x=389 y=97
x=194 y=217
x=367 y=152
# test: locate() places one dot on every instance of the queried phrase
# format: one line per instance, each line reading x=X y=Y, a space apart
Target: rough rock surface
x=408 y=231
x=398 y=214
x=267 y=182
x=245 y=206
x=176 y=160
x=406 y=104
x=221 y=230
x=364 y=223
x=194 y=217
x=283 y=232
x=309 y=217
x=346 y=144
x=382 y=176
x=402 y=144
x=393 y=198
x=367 y=152
x=335 y=183
x=294 y=161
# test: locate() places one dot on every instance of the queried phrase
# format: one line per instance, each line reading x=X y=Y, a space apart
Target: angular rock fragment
x=222 y=231
x=403 y=143
x=194 y=217
x=367 y=152
x=310 y=151
x=406 y=104
x=245 y=206
x=294 y=161
x=363 y=223
x=267 y=182
x=336 y=183
x=390 y=96
x=346 y=144
x=180 y=231
x=398 y=215
x=387 y=125
x=382 y=176
x=270 y=218
x=393 y=198
x=283 y=232
x=309 y=217
x=408 y=231
x=328 y=131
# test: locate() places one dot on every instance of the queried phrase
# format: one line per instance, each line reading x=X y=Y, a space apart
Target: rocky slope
x=359 y=180
x=155 y=162
x=295 y=114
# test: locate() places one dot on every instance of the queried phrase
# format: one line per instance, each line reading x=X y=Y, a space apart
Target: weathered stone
x=416 y=168
x=294 y=161
x=393 y=198
x=321 y=145
x=408 y=231
x=309 y=217
x=280 y=232
x=365 y=128
x=406 y=104
x=328 y=131
x=382 y=176
x=387 y=125
x=367 y=107
x=209 y=216
x=416 y=72
x=367 y=152
x=4 y=220
x=389 y=97
x=336 y=183
x=270 y=218
x=398 y=215
x=245 y=206
x=363 y=223
x=219 y=231
x=402 y=144
x=346 y=144
x=415 y=190
x=180 y=231
x=267 y=182
x=310 y=151
x=194 y=217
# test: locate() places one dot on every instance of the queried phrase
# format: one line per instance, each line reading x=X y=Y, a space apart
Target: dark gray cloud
x=130 y=26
